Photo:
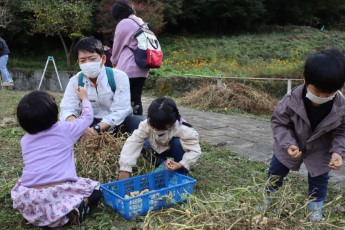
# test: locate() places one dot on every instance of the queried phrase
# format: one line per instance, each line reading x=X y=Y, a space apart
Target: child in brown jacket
x=309 y=127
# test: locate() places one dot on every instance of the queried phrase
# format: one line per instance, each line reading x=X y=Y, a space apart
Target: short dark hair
x=89 y=44
x=122 y=9
x=37 y=112
x=162 y=113
x=325 y=70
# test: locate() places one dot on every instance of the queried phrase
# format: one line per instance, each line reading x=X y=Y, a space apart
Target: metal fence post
x=219 y=80
x=289 y=85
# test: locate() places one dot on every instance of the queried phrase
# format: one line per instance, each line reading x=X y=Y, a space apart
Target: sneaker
x=10 y=83
x=160 y=167
x=26 y=225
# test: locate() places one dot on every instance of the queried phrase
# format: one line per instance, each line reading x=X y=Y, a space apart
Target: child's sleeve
x=70 y=101
x=78 y=126
x=282 y=125
x=132 y=148
x=189 y=139
x=338 y=143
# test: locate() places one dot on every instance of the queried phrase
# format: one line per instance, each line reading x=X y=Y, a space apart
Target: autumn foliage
x=151 y=13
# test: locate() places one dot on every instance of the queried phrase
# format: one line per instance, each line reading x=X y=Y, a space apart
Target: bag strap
x=110 y=76
x=80 y=79
x=141 y=26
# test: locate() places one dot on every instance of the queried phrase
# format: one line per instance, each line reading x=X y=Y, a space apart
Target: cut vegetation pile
x=238 y=209
x=234 y=96
x=98 y=158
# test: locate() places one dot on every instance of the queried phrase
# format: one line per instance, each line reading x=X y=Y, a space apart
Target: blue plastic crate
x=166 y=188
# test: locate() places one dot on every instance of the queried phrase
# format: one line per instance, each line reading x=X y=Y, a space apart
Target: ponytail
x=163 y=113
x=178 y=117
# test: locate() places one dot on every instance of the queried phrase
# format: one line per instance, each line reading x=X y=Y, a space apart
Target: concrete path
x=250 y=137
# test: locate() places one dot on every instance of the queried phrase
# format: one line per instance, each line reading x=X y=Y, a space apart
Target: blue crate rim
x=103 y=186
x=181 y=182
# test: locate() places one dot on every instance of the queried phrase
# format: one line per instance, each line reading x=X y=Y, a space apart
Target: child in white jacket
x=167 y=134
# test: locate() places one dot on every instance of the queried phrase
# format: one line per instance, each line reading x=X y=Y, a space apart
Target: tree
x=307 y=12
x=105 y=23
x=172 y=9
x=64 y=18
x=5 y=14
x=151 y=13
x=220 y=15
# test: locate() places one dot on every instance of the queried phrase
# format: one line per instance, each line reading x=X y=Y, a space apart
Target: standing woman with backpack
x=122 y=58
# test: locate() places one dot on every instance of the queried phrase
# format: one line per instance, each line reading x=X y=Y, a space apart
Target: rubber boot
x=316 y=211
x=265 y=205
x=161 y=167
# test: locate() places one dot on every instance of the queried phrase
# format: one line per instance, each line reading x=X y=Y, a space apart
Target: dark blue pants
x=175 y=151
x=130 y=124
x=136 y=87
x=317 y=185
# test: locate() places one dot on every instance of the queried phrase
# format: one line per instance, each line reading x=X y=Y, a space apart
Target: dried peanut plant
x=238 y=209
x=98 y=158
x=232 y=96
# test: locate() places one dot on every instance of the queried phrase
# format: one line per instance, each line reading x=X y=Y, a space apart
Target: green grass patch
x=251 y=55
x=228 y=189
x=278 y=53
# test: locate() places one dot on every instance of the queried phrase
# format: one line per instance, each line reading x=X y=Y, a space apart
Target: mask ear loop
x=101 y=62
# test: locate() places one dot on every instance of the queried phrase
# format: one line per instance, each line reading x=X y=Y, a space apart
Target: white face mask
x=160 y=133
x=318 y=100
x=91 y=69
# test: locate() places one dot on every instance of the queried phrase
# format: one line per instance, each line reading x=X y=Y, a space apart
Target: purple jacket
x=291 y=126
x=122 y=57
x=48 y=155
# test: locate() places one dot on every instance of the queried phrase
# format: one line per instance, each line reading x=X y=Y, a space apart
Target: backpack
x=110 y=76
x=148 y=53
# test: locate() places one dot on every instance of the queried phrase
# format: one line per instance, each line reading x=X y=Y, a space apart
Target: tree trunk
x=68 y=60
x=71 y=49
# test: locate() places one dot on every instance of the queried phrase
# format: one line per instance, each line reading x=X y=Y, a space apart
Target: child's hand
x=172 y=165
x=123 y=175
x=81 y=93
x=294 y=152
x=336 y=161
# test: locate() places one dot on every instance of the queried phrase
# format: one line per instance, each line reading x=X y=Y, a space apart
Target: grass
x=228 y=189
x=279 y=52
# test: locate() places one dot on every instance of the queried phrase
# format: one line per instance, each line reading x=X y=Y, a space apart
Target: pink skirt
x=49 y=206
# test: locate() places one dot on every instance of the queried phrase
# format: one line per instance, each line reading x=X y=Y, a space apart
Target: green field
x=279 y=51
x=228 y=187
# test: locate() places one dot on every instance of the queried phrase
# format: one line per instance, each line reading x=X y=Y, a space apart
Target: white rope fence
x=219 y=79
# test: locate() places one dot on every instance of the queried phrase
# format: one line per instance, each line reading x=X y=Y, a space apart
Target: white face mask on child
x=160 y=133
x=91 y=69
x=318 y=100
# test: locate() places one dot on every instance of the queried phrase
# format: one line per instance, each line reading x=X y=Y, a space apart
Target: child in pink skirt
x=49 y=192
